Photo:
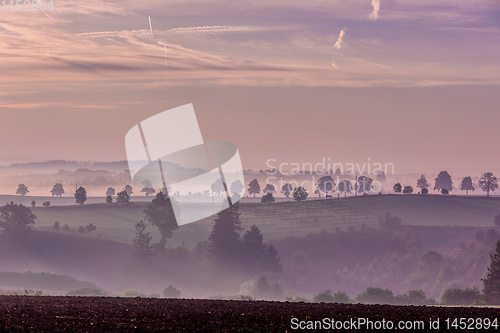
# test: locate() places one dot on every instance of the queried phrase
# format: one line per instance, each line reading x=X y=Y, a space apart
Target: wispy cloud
x=376 y=8
x=338 y=43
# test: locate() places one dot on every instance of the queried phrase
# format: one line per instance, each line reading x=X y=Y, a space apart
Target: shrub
x=444 y=191
x=171 y=292
x=325 y=296
x=56 y=225
x=408 y=190
x=109 y=199
x=33 y=203
x=46 y=204
x=264 y=290
x=86 y=292
x=456 y=296
x=425 y=191
x=132 y=293
x=375 y=296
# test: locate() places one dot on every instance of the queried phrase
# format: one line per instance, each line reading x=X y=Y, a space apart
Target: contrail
x=352 y=58
x=338 y=44
x=150 y=26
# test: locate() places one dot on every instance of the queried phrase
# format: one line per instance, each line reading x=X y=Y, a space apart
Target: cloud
x=338 y=44
x=334 y=64
x=376 y=8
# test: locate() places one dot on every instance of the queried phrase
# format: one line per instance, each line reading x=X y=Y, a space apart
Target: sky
x=413 y=83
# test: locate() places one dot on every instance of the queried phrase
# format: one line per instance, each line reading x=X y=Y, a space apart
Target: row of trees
x=443 y=184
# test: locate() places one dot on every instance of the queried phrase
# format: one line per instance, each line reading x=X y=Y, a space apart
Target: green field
x=282 y=219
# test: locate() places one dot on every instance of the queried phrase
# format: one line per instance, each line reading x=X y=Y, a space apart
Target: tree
x=109 y=199
x=467 y=185
x=81 y=230
x=422 y=182
x=253 y=187
x=381 y=176
x=16 y=219
x=286 y=189
x=22 y=190
x=269 y=189
x=456 y=296
x=57 y=190
x=171 y=292
x=444 y=191
x=236 y=188
x=267 y=198
x=488 y=182
x=376 y=296
x=46 y=204
x=397 y=188
x=56 y=225
x=89 y=228
x=148 y=188
x=492 y=280
x=80 y=196
x=299 y=193
x=326 y=184
x=142 y=248
x=217 y=187
x=160 y=214
x=364 y=184
x=443 y=180
x=425 y=191
x=33 y=203
x=408 y=189
x=323 y=297
x=260 y=256
x=264 y=290
x=110 y=192
x=122 y=197
x=224 y=240
x=129 y=190
x=344 y=186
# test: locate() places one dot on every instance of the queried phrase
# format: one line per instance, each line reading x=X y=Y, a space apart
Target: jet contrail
x=352 y=58
x=150 y=26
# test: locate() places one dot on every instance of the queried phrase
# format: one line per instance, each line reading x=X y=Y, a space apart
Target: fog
x=347 y=242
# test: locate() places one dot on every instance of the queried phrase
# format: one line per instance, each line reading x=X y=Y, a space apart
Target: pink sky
x=414 y=84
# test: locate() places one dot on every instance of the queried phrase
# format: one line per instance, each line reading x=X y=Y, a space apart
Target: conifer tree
x=492 y=280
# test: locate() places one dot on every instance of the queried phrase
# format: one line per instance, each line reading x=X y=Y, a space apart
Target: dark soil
x=109 y=314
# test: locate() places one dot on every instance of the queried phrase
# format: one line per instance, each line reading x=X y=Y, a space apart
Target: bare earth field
x=106 y=314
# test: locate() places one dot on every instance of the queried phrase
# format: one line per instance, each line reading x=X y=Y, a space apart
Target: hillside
x=286 y=218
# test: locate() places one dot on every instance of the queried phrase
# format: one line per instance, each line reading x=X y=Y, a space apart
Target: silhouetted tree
x=142 y=248
x=129 y=190
x=57 y=190
x=33 y=203
x=344 y=186
x=16 y=219
x=148 y=188
x=261 y=257
x=397 y=188
x=425 y=191
x=443 y=180
x=56 y=225
x=224 y=240
x=22 y=190
x=80 y=196
x=122 y=197
x=408 y=189
x=364 y=184
x=467 y=185
x=171 y=292
x=326 y=184
x=217 y=187
x=492 y=279
x=253 y=187
x=264 y=290
x=299 y=193
x=160 y=213
x=109 y=199
x=267 y=198
x=422 y=182
x=269 y=189
x=236 y=187
x=46 y=204
x=110 y=192
x=456 y=296
x=286 y=189
x=89 y=228
x=81 y=230
x=488 y=182
x=444 y=191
